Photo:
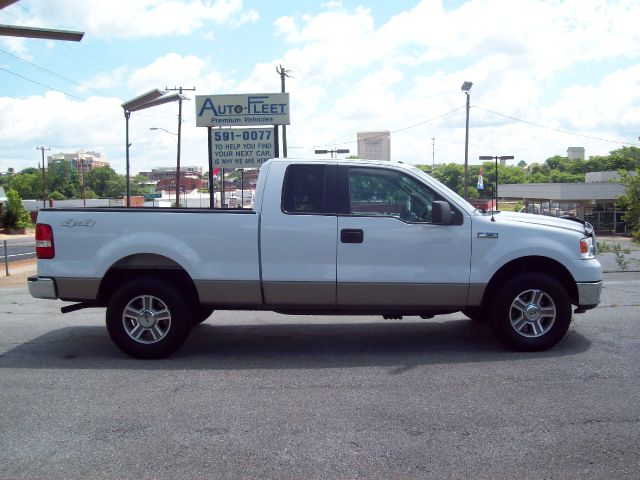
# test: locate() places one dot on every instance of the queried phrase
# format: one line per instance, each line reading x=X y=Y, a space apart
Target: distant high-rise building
x=575 y=153
x=80 y=160
x=374 y=145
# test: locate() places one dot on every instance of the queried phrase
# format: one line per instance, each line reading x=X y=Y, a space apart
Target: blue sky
x=569 y=69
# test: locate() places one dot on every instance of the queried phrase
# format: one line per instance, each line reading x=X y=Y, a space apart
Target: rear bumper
x=42 y=287
x=589 y=294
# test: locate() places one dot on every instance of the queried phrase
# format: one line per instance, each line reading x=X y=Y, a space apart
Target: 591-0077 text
x=254 y=134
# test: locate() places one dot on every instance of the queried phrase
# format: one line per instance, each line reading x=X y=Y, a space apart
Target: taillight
x=44 y=241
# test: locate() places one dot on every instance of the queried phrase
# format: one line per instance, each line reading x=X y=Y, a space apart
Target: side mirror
x=441 y=213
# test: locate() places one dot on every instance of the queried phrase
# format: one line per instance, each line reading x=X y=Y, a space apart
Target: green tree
x=631 y=200
x=64 y=179
x=138 y=185
x=452 y=175
x=558 y=176
x=106 y=183
x=28 y=184
x=16 y=216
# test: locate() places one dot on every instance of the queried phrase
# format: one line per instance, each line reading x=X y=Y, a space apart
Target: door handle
x=351 y=236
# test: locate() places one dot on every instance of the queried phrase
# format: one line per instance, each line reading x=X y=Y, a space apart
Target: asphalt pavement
x=17 y=248
x=265 y=396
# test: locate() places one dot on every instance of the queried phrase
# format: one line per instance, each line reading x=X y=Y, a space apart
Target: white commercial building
x=80 y=159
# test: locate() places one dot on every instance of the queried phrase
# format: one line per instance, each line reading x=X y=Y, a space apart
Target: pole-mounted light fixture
x=332 y=152
x=466 y=86
x=152 y=98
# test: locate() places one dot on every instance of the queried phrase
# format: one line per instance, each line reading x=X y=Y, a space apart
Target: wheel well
x=531 y=264
x=146 y=265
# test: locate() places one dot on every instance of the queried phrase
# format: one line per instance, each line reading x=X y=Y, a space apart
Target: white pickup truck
x=348 y=237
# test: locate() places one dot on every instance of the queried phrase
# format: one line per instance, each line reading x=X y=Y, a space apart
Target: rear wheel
x=147 y=318
x=531 y=312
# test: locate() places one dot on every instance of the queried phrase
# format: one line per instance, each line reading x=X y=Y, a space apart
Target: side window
x=389 y=193
x=304 y=189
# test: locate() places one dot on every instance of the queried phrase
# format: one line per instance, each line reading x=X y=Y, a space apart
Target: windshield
x=453 y=195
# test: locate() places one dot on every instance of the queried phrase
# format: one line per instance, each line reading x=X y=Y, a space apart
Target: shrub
x=16 y=216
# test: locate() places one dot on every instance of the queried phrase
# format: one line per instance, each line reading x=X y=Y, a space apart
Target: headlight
x=587 y=249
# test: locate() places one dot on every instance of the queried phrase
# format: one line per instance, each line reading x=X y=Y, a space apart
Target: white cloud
x=614 y=103
x=351 y=74
x=141 y=18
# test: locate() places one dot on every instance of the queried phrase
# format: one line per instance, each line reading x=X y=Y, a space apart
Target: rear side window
x=305 y=189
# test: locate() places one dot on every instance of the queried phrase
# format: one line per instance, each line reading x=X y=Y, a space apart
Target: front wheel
x=200 y=314
x=148 y=318
x=531 y=312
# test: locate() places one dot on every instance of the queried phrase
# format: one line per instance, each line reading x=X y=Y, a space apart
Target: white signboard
x=246 y=109
x=242 y=147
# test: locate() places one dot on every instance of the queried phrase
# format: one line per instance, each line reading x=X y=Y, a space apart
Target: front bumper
x=589 y=294
x=42 y=287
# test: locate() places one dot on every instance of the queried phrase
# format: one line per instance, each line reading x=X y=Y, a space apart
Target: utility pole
x=433 y=154
x=44 y=193
x=83 y=165
x=284 y=73
x=180 y=90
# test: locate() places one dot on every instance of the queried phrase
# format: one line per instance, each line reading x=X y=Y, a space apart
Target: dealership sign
x=245 y=109
x=242 y=147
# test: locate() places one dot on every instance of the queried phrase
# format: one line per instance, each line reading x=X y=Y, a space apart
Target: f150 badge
x=78 y=223
x=488 y=234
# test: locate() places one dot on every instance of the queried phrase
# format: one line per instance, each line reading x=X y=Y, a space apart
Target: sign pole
x=222 y=192
x=211 y=190
x=276 y=142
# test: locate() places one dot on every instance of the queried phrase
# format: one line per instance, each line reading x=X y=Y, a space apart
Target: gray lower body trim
x=73 y=289
x=239 y=293
x=402 y=295
x=300 y=293
x=387 y=295
x=589 y=294
x=476 y=294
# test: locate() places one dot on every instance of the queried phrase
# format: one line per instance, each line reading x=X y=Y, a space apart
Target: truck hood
x=575 y=225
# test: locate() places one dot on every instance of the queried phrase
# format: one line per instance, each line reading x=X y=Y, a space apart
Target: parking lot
x=260 y=395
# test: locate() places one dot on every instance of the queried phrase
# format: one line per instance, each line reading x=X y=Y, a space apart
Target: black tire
x=477 y=314
x=531 y=312
x=201 y=313
x=148 y=318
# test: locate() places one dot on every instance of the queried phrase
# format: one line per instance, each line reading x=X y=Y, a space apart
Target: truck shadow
x=402 y=346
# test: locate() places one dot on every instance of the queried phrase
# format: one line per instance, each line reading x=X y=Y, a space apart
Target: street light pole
x=466 y=86
x=150 y=99
x=127 y=114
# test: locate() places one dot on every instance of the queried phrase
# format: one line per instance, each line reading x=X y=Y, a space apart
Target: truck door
x=298 y=235
x=389 y=252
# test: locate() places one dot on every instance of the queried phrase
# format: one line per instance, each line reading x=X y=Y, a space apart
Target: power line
x=43 y=85
x=54 y=73
x=555 y=129
x=393 y=131
x=73 y=96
